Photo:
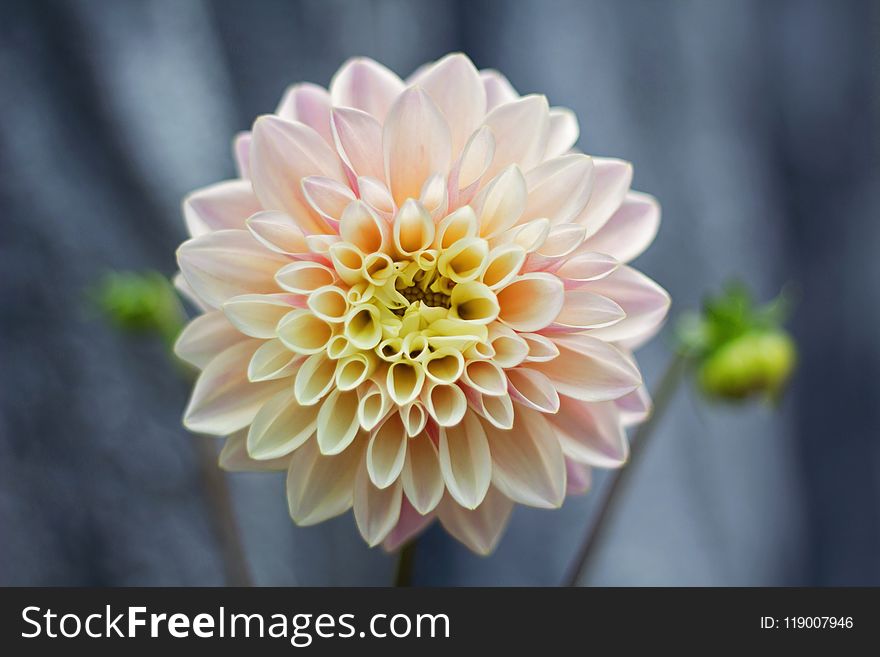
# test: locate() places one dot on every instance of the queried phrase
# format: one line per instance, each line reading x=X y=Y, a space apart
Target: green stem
x=586 y=554
x=405 y=564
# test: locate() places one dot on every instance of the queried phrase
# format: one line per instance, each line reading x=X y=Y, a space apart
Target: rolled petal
x=498 y=89
x=329 y=303
x=222 y=206
x=521 y=128
x=257 y=315
x=304 y=277
x=532 y=389
x=587 y=310
x=273 y=361
x=321 y=487
x=376 y=510
x=479 y=529
x=474 y=303
x=327 y=197
x=310 y=104
x=445 y=402
x=501 y=204
x=205 y=337
x=421 y=476
x=510 y=349
x=471 y=166
x=465 y=461
x=531 y=301
x=584 y=267
x=503 y=264
x=528 y=465
x=281 y=426
x=531 y=235
x=411 y=524
x=434 y=198
x=630 y=230
x=413 y=228
x=644 y=302
x=227 y=263
x=541 y=348
x=611 y=181
x=444 y=365
x=377 y=196
x=363 y=326
x=278 y=232
x=314 y=379
x=373 y=406
x=485 y=377
x=234 y=457
x=302 y=332
x=348 y=262
x=387 y=451
x=590 y=369
x=365 y=85
x=354 y=369
x=361 y=227
x=337 y=421
x=635 y=407
x=404 y=381
x=497 y=410
x=358 y=138
x=416 y=142
x=559 y=188
x=282 y=154
x=223 y=399
x=564 y=132
x=591 y=432
x=414 y=418
x=455 y=86
x=455 y=227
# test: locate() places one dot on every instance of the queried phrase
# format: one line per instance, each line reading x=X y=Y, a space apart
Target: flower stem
x=223 y=515
x=619 y=478
x=405 y=564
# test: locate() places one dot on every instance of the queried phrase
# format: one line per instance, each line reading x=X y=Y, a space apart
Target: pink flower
x=416 y=302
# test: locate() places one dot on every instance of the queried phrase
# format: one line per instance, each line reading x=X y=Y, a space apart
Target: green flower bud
x=759 y=362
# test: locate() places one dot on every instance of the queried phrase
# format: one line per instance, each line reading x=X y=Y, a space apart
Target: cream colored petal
x=531 y=235
x=503 y=264
x=465 y=260
x=387 y=452
x=309 y=104
x=481 y=528
x=377 y=196
x=185 y=290
x=498 y=89
x=486 y=377
x=434 y=198
x=205 y=337
x=362 y=228
x=510 y=349
x=282 y=154
x=302 y=332
x=408 y=527
x=630 y=230
x=531 y=301
x=337 y=421
x=455 y=86
x=223 y=400
x=354 y=369
x=321 y=487
x=421 y=476
x=234 y=457
x=611 y=181
x=273 y=361
x=589 y=369
x=587 y=310
x=376 y=510
x=329 y=303
x=358 y=138
x=584 y=267
x=521 y=128
x=281 y=426
x=314 y=379
x=373 y=406
x=532 y=389
x=500 y=205
x=227 y=263
x=559 y=188
x=348 y=262
x=591 y=432
x=645 y=303
x=474 y=303
x=221 y=206
x=416 y=143
x=327 y=197
x=465 y=461
x=363 y=326
x=257 y=315
x=365 y=85
x=527 y=463
x=445 y=402
x=241 y=149
x=304 y=276
x=404 y=381
x=469 y=169
x=564 y=132
x=413 y=228
x=278 y=232
x=444 y=365
x=414 y=418
x=497 y=410
x=456 y=226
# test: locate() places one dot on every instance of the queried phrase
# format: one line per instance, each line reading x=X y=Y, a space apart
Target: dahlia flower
x=416 y=302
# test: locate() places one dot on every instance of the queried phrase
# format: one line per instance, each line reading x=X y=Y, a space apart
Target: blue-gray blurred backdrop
x=754 y=122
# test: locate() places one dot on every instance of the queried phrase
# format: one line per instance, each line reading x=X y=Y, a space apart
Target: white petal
x=611 y=181
x=630 y=230
x=564 y=131
x=480 y=528
x=281 y=426
x=241 y=148
x=589 y=369
x=257 y=315
x=421 y=476
x=416 y=142
x=358 y=138
x=327 y=197
x=500 y=205
x=278 y=232
x=532 y=389
x=591 y=432
x=520 y=128
x=310 y=104
x=527 y=463
x=376 y=510
x=221 y=206
x=227 y=263
x=635 y=407
x=223 y=399
x=498 y=89
x=587 y=310
x=205 y=337
x=320 y=487
x=273 y=361
x=531 y=301
x=365 y=85
x=559 y=189
x=465 y=461
x=585 y=266
x=338 y=421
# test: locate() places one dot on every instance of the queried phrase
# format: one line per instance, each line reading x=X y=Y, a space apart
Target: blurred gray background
x=754 y=122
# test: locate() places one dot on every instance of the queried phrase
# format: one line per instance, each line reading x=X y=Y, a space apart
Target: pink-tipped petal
x=320 y=487
x=611 y=181
x=560 y=188
x=310 y=104
x=630 y=230
x=587 y=310
x=480 y=528
x=498 y=89
x=635 y=407
x=376 y=510
x=579 y=478
x=205 y=337
x=358 y=138
x=465 y=461
x=531 y=301
x=221 y=206
x=564 y=132
x=241 y=150
x=365 y=85
x=520 y=128
x=234 y=457
x=591 y=432
x=327 y=197
x=421 y=476
x=410 y=524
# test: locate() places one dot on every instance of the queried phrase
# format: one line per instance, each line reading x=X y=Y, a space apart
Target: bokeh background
x=754 y=121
